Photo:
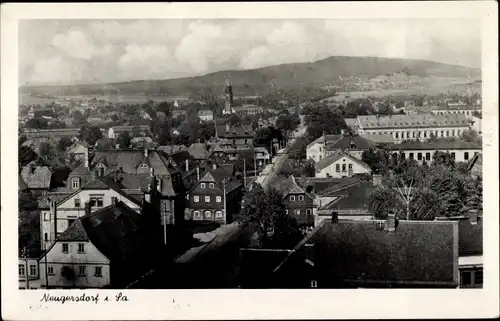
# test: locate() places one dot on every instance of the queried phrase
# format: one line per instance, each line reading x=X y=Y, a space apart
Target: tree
x=21 y=140
x=124 y=140
x=37 y=123
x=64 y=143
x=382 y=201
x=90 y=134
x=298 y=149
x=234 y=120
x=46 y=151
x=378 y=160
x=385 y=109
x=26 y=155
x=471 y=136
x=165 y=108
x=324 y=120
x=115 y=117
x=265 y=211
x=263 y=137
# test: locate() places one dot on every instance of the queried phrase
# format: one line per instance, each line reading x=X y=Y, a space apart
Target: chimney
x=335 y=217
x=53 y=216
x=114 y=200
x=214 y=166
x=390 y=223
x=377 y=180
x=473 y=217
x=86 y=158
x=342 y=132
x=187 y=165
x=228 y=126
x=197 y=173
x=87 y=208
x=146 y=152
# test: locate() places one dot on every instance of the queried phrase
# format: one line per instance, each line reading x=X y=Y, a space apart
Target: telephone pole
x=27 y=270
x=224 y=188
x=244 y=172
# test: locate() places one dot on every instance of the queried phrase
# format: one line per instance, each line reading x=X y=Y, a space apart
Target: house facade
x=413 y=127
x=340 y=165
x=424 y=151
x=298 y=203
x=326 y=145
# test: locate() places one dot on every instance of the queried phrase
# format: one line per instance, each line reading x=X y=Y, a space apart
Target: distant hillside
x=258 y=81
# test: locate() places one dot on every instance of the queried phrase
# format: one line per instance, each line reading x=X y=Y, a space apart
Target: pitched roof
x=199 y=150
x=290 y=186
x=238 y=130
x=130 y=159
x=470 y=237
x=380 y=139
x=437 y=144
x=351 y=197
x=359 y=252
x=345 y=141
x=171 y=149
x=413 y=121
x=205 y=112
x=321 y=139
x=36 y=176
x=330 y=159
x=21 y=183
x=324 y=186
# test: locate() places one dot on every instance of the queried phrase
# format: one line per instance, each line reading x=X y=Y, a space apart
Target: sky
x=101 y=51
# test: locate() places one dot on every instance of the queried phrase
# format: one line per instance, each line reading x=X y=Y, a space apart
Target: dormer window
x=75 y=183
x=143 y=166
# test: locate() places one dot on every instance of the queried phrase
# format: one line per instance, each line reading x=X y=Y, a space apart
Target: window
x=75 y=182
x=403 y=155
x=77 y=202
x=70 y=221
x=337 y=168
x=414 y=135
x=50 y=270
x=45 y=216
x=32 y=270
x=143 y=166
x=218 y=214
x=466 y=280
x=466 y=155
x=81 y=248
x=21 y=269
x=419 y=156
x=196 y=199
x=411 y=156
x=343 y=168
x=207 y=199
x=447 y=133
x=196 y=214
x=96 y=201
x=478 y=277
x=314 y=284
x=82 y=270
x=301 y=197
x=292 y=198
x=203 y=185
x=427 y=156
x=350 y=167
x=308 y=212
x=442 y=133
x=65 y=247
x=98 y=271
x=218 y=199
x=453 y=132
x=211 y=185
x=425 y=134
x=45 y=237
x=452 y=155
x=208 y=214
x=397 y=135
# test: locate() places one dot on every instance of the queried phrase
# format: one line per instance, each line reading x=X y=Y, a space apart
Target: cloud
x=120 y=50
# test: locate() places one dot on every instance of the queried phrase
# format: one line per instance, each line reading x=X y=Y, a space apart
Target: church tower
x=228 y=106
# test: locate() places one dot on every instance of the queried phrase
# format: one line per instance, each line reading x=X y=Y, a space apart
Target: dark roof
x=36 y=176
x=21 y=183
x=351 y=197
x=171 y=149
x=235 y=131
x=344 y=142
x=470 y=237
x=323 y=186
x=130 y=159
x=359 y=252
x=438 y=144
x=289 y=186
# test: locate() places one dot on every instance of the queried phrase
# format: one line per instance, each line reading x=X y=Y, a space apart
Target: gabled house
x=237 y=135
x=215 y=196
x=36 y=178
x=298 y=202
x=199 y=151
x=379 y=254
x=353 y=145
x=107 y=248
x=340 y=165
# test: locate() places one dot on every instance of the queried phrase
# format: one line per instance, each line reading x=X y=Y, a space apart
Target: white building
x=340 y=165
x=205 y=115
x=423 y=151
x=326 y=145
x=413 y=127
x=468 y=111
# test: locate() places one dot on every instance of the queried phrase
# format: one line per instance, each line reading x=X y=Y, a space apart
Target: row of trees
x=422 y=192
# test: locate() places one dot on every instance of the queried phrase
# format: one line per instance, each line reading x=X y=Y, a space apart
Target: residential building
x=298 y=202
x=340 y=165
x=424 y=151
x=79 y=150
x=470 y=261
x=111 y=247
x=55 y=133
x=206 y=115
x=176 y=112
x=248 y=110
x=459 y=109
x=476 y=165
x=115 y=131
x=215 y=197
x=379 y=254
x=413 y=127
x=36 y=178
x=29 y=274
x=326 y=145
x=199 y=151
x=238 y=135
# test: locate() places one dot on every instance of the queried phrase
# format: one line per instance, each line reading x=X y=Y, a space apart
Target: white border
x=252 y=304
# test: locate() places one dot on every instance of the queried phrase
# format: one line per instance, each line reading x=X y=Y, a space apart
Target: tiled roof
x=437 y=144
x=380 y=139
x=321 y=139
x=412 y=121
x=199 y=150
x=359 y=252
x=75 y=232
x=130 y=128
x=236 y=131
x=290 y=186
x=470 y=237
x=36 y=176
x=476 y=162
x=351 y=197
x=130 y=159
x=344 y=142
x=171 y=149
x=478 y=108
x=330 y=159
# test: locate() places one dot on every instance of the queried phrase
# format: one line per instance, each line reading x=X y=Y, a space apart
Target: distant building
x=206 y=115
x=424 y=151
x=412 y=127
x=228 y=95
x=326 y=145
x=248 y=110
x=115 y=131
x=456 y=109
x=36 y=178
x=238 y=135
x=56 y=133
x=298 y=202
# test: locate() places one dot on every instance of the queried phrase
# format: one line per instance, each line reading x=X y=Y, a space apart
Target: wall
x=331 y=169
x=422 y=134
x=302 y=205
x=67 y=210
x=314 y=152
x=91 y=258
x=203 y=206
x=34 y=279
